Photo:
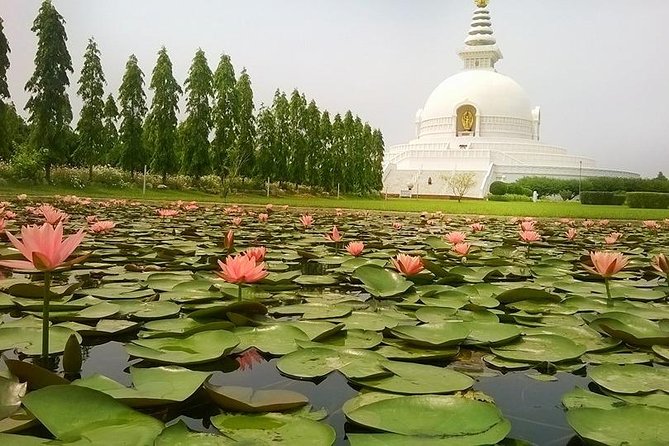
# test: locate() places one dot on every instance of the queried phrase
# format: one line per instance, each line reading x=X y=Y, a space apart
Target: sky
x=597 y=68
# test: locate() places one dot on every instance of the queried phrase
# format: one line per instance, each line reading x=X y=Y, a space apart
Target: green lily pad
x=28 y=340
x=11 y=392
x=245 y=399
x=579 y=398
x=642 y=425
x=276 y=339
x=631 y=378
x=179 y=435
x=485 y=333
x=151 y=386
x=381 y=282
x=631 y=329
x=309 y=280
x=274 y=429
x=541 y=348
x=412 y=379
x=312 y=363
x=74 y=413
x=433 y=335
x=199 y=348
x=462 y=421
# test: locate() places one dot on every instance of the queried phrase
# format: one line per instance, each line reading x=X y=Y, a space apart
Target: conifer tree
x=194 y=131
x=338 y=153
x=49 y=104
x=90 y=126
x=5 y=141
x=377 y=159
x=110 y=131
x=312 y=144
x=133 y=110
x=243 y=159
x=161 y=123
x=224 y=113
x=346 y=152
x=296 y=137
x=326 y=171
x=283 y=153
x=265 y=143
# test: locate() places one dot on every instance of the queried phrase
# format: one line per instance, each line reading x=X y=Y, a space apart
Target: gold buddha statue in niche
x=467 y=121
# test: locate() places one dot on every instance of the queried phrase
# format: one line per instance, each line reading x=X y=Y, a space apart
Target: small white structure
x=479 y=121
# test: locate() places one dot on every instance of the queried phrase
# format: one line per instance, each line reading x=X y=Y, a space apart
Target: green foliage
x=509 y=197
x=111 y=146
x=161 y=122
x=242 y=158
x=195 y=132
x=210 y=184
x=648 y=200
x=27 y=164
x=224 y=113
x=49 y=104
x=4 y=62
x=553 y=186
x=133 y=109
x=603 y=198
x=90 y=126
x=498 y=188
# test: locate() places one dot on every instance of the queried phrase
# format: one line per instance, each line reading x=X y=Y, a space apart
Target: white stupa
x=479 y=121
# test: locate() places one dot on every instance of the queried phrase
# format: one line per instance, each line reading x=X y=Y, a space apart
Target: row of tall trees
x=292 y=140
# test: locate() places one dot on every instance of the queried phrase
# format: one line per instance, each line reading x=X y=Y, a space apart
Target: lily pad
x=381 y=282
x=312 y=363
x=414 y=379
x=642 y=425
x=631 y=378
x=199 y=348
x=245 y=399
x=541 y=348
x=433 y=335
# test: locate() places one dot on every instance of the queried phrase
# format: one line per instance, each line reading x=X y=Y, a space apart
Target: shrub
x=648 y=200
x=27 y=164
x=210 y=184
x=566 y=194
x=509 y=197
x=178 y=182
x=517 y=189
x=110 y=176
x=602 y=198
x=498 y=188
x=69 y=176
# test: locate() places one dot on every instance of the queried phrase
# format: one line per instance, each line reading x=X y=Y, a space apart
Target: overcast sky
x=597 y=68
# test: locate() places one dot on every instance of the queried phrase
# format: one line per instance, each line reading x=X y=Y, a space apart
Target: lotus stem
x=239 y=293
x=45 y=317
x=609 y=301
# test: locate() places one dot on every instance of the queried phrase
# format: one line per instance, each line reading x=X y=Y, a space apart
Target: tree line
x=290 y=140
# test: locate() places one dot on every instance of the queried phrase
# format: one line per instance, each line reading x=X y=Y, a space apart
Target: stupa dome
x=491 y=93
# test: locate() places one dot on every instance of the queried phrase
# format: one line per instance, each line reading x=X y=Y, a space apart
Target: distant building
x=482 y=122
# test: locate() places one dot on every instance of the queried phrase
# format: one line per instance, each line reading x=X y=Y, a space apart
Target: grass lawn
x=475 y=207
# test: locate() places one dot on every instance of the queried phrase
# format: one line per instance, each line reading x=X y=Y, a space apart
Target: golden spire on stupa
x=481 y=3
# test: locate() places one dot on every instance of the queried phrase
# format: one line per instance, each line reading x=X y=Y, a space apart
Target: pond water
x=512 y=326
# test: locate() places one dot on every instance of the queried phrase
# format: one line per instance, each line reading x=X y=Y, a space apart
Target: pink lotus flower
x=44 y=248
x=269 y=207
x=651 y=224
x=455 y=237
x=529 y=236
x=249 y=358
x=588 y=223
x=21 y=197
x=603 y=223
x=397 y=225
x=462 y=249
x=229 y=240
x=612 y=238
x=527 y=226
x=477 y=227
x=571 y=234
x=256 y=253
x=355 y=248
x=513 y=220
x=241 y=269
x=408 y=265
x=661 y=264
x=2 y=225
x=9 y=215
x=52 y=215
x=191 y=207
x=91 y=219
x=237 y=221
x=102 y=226
x=334 y=235
x=166 y=213
x=262 y=218
x=339 y=212
x=307 y=220
x=607 y=263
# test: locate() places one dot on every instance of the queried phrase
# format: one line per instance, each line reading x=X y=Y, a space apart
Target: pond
x=510 y=339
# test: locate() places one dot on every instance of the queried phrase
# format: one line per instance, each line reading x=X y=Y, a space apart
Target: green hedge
x=498 y=188
x=603 y=198
x=648 y=200
x=509 y=197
